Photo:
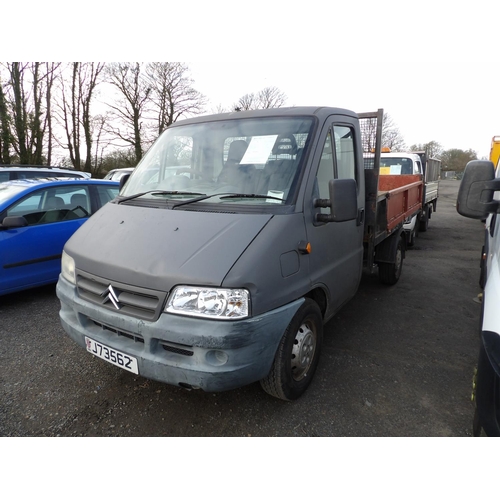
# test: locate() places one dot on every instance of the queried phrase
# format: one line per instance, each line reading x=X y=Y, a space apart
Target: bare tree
x=172 y=93
x=19 y=111
x=268 y=97
x=391 y=136
x=220 y=109
x=5 y=133
x=78 y=92
x=246 y=102
x=51 y=76
x=433 y=149
x=98 y=132
x=131 y=106
x=30 y=85
x=89 y=79
x=271 y=97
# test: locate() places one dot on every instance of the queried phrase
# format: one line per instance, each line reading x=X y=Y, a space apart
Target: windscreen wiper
x=223 y=196
x=157 y=191
x=242 y=195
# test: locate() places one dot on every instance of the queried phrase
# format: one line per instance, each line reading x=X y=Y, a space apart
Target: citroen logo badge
x=111 y=296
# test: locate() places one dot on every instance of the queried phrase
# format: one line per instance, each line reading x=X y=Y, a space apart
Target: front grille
x=141 y=303
x=178 y=350
x=134 y=337
x=183 y=350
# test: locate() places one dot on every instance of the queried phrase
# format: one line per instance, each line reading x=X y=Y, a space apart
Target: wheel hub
x=303 y=351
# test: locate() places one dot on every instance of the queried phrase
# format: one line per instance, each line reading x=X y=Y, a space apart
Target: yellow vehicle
x=495 y=150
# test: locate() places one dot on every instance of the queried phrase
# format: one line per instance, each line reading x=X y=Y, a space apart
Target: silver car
x=20 y=172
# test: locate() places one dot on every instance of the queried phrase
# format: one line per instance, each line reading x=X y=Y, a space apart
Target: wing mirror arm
x=343 y=201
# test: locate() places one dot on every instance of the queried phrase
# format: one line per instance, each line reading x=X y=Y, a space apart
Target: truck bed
x=402 y=195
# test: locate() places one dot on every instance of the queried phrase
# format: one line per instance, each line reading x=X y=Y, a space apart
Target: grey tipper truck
x=231 y=244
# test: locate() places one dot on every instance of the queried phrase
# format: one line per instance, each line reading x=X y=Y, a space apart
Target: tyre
x=424 y=221
x=297 y=355
x=389 y=273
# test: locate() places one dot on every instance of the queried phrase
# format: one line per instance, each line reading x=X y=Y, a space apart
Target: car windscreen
x=239 y=161
x=8 y=191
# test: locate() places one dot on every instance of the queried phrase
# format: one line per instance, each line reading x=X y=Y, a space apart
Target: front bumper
x=179 y=350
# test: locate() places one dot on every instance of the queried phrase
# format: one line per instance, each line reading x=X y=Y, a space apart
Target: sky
x=431 y=64
x=428 y=103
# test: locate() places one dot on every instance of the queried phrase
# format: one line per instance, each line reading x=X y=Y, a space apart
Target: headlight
x=217 y=303
x=68 y=267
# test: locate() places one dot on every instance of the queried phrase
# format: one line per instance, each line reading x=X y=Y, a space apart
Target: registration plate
x=112 y=355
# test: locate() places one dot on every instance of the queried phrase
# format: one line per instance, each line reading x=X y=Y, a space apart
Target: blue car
x=37 y=217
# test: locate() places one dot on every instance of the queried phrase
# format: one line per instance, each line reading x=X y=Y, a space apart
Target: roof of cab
x=411 y=155
x=320 y=112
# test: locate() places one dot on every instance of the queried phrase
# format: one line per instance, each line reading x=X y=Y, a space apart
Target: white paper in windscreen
x=396 y=169
x=259 y=149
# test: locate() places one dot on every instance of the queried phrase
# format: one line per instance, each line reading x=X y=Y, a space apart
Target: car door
x=31 y=255
x=336 y=256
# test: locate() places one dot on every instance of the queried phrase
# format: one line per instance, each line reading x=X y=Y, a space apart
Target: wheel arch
x=319 y=296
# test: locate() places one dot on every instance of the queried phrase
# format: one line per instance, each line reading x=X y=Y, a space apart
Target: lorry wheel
x=389 y=273
x=424 y=221
x=297 y=355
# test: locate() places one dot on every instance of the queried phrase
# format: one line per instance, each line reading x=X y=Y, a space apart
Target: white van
x=478 y=198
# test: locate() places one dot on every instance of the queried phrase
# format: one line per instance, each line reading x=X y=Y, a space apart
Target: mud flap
x=385 y=252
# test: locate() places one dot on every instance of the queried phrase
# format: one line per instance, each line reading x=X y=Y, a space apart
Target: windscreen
x=239 y=161
x=397 y=166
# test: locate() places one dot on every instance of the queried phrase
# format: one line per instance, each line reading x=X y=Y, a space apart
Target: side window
x=344 y=149
x=28 y=207
x=106 y=194
x=34 y=175
x=4 y=176
x=325 y=171
x=55 y=204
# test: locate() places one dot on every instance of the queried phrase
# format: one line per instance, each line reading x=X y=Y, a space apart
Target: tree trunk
x=5 y=138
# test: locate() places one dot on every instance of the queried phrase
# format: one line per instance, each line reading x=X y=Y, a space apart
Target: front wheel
x=297 y=355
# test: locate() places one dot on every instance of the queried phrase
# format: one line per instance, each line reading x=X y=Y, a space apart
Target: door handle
x=361 y=217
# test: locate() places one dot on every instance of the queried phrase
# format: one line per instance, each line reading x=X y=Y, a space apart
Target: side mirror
x=13 y=222
x=478 y=185
x=123 y=180
x=343 y=202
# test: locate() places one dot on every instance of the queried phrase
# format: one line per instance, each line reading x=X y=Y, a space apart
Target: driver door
x=336 y=257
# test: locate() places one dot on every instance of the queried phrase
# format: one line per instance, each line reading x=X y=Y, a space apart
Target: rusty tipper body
x=235 y=239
